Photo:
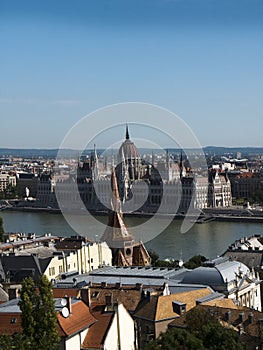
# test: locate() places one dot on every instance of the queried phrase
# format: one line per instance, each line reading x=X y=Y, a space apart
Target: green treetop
x=39 y=319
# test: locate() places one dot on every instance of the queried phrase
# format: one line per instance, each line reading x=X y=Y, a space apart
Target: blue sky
x=61 y=60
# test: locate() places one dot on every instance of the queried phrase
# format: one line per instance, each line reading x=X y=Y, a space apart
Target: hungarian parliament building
x=165 y=186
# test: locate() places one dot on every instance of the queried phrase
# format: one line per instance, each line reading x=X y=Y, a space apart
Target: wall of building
x=161 y=327
x=121 y=333
x=89 y=257
x=126 y=326
x=73 y=343
x=60 y=264
x=111 y=340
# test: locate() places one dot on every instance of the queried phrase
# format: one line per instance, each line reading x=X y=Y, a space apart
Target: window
x=128 y=251
x=51 y=271
x=95 y=294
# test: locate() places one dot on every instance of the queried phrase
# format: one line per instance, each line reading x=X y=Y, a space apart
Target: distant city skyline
x=62 y=60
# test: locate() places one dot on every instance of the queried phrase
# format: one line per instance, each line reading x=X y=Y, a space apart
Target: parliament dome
x=128 y=149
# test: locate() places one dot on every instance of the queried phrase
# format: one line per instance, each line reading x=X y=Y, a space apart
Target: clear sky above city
x=201 y=59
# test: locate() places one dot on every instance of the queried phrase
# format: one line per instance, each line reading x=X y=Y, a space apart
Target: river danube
x=209 y=239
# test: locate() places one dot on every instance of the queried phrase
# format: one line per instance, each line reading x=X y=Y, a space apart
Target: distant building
x=219 y=189
x=6 y=180
x=129 y=167
x=165 y=185
x=24 y=181
x=246 y=184
x=46 y=190
x=249 y=251
x=194 y=193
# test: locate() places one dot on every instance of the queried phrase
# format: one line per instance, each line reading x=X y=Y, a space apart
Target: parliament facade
x=166 y=186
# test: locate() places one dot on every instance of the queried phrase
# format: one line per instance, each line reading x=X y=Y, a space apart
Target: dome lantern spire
x=127 y=133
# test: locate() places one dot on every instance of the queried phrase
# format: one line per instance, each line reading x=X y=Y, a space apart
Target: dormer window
x=94 y=294
x=179 y=307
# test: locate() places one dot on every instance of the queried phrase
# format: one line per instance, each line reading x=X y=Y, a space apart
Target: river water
x=209 y=239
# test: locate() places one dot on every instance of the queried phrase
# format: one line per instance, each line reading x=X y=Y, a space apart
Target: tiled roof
x=251 y=328
x=62 y=292
x=98 y=331
x=41 y=251
x=78 y=320
x=21 y=266
x=116 y=233
x=147 y=308
x=250 y=258
x=165 y=307
x=159 y=308
x=28 y=242
x=226 y=303
x=129 y=297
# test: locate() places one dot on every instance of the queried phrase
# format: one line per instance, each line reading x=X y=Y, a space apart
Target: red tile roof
x=78 y=320
x=62 y=292
x=97 y=333
x=128 y=296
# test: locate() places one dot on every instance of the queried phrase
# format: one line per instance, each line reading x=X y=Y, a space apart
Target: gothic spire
x=115 y=192
x=95 y=165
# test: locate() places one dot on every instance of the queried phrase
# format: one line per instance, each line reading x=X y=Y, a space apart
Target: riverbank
x=214 y=214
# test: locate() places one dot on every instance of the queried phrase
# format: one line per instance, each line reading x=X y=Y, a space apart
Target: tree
x=157 y=262
x=28 y=301
x=176 y=339
x=196 y=319
x=39 y=319
x=2 y=232
x=216 y=337
x=17 y=342
x=46 y=318
x=202 y=332
x=154 y=257
x=207 y=328
x=5 y=342
x=195 y=261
